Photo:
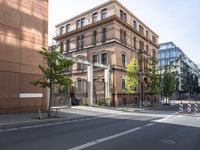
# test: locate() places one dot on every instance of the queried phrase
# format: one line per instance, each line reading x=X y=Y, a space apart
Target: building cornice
x=113 y=18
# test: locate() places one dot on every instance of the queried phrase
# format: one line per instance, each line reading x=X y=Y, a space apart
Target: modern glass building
x=186 y=72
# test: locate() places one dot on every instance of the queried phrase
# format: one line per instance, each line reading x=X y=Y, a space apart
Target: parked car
x=75 y=101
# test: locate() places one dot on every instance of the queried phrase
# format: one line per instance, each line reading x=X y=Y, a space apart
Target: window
x=94 y=38
x=141 y=29
x=104 y=13
x=82 y=41
x=153 y=38
x=67 y=46
x=79 y=66
x=68 y=28
x=124 y=37
x=123 y=15
x=78 y=42
x=147 y=33
x=104 y=58
x=94 y=17
x=94 y=58
x=147 y=49
x=61 y=30
x=82 y=22
x=61 y=47
x=123 y=61
x=123 y=83
x=141 y=45
x=134 y=42
x=78 y=24
x=104 y=35
x=134 y=24
x=79 y=85
x=121 y=36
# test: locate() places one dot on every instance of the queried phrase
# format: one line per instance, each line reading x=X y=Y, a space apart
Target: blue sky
x=172 y=20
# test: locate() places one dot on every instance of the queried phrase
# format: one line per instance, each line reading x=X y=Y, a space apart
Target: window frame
x=96 y=58
x=123 y=60
x=104 y=13
x=67 y=28
x=104 y=35
x=78 y=24
x=102 y=58
x=94 y=17
x=62 y=30
x=94 y=38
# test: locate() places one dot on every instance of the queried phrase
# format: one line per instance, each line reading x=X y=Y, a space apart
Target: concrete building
x=107 y=34
x=186 y=72
x=23 y=31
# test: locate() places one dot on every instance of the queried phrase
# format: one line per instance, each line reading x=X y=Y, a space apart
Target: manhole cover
x=168 y=141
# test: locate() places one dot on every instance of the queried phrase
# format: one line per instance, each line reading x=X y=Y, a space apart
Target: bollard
x=189 y=107
x=180 y=107
x=39 y=112
x=196 y=107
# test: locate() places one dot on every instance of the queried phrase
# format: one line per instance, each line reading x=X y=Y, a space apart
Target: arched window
x=104 y=35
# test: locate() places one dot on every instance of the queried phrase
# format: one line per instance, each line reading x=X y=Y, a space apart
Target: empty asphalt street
x=91 y=128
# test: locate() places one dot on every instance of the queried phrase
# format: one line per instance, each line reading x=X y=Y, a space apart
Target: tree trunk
x=50 y=99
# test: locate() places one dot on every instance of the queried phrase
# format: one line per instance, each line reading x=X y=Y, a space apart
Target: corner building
x=23 y=31
x=107 y=34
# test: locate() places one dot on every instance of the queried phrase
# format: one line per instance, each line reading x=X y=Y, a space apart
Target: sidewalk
x=10 y=119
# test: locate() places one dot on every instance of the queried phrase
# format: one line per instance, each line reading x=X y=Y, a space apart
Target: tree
x=52 y=74
x=131 y=79
x=153 y=79
x=168 y=83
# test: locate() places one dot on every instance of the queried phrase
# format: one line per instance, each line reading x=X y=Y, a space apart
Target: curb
x=30 y=121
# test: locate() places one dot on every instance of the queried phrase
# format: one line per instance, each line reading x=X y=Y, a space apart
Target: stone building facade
x=23 y=31
x=107 y=34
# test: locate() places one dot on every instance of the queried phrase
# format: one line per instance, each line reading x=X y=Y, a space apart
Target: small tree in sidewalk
x=52 y=74
x=131 y=79
x=153 y=79
x=168 y=83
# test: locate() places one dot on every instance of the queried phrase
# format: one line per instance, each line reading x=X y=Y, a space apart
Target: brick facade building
x=107 y=34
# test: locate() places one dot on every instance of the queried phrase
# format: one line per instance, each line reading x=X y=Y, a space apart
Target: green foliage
x=153 y=78
x=168 y=82
x=131 y=79
x=52 y=74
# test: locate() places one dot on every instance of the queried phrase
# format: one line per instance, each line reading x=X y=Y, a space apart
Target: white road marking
x=27 y=127
x=89 y=144
x=198 y=118
x=48 y=124
x=12 y=129
x=149 y=124
x=36 y=126
x=160 y=120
